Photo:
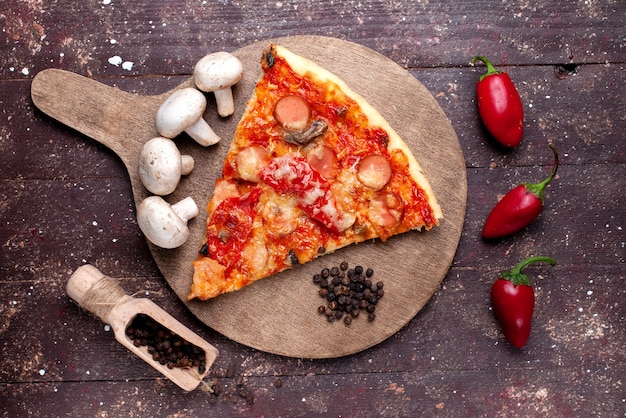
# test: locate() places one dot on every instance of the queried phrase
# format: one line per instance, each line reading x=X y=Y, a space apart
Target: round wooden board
x=279 y=314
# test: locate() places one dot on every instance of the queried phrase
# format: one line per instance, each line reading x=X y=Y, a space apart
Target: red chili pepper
x=513 y=301
x=519 y=207
x=499 y=105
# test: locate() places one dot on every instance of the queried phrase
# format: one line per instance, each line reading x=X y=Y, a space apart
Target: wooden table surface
x=67 y=201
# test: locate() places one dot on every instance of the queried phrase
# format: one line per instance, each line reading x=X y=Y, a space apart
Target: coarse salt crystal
x=115 y=60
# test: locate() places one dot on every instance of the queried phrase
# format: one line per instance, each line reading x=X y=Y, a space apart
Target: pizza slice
x=312 y=168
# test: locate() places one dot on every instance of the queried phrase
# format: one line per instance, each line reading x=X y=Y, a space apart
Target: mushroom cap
x=217 y=71
x=180 y=110
x=160 y=166
x=161 y=223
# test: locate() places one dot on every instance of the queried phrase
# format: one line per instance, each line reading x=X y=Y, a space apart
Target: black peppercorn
x=347 y=291
x=165 y=347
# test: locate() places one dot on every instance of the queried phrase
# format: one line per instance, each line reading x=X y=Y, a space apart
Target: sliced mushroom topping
x=315 y=129
x=374 y=171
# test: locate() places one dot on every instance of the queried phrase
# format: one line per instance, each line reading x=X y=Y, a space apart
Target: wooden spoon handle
x=94 y=291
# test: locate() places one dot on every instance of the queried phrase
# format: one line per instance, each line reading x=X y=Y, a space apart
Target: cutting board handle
x=97 y=110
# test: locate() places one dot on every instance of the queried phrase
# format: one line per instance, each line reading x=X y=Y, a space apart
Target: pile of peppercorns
x=167 y=348
x=348 y=292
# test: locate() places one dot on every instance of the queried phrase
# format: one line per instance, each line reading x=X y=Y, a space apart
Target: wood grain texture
x=284 y=320
x=65 y=200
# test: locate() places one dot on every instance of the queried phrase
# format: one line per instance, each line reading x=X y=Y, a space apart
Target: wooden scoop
x=102 y=296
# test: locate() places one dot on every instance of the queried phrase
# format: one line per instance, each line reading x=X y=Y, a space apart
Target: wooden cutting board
x=279 y=314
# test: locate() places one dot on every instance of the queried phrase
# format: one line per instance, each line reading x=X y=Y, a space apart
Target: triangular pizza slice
x=312 y=168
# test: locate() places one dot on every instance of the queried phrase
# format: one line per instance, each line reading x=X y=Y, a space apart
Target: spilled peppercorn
x=167 y=348
x=348 y=291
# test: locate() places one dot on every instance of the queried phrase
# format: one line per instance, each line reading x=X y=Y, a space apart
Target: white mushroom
x=165 y=225
x=161 y=165
x=182 y=111
x=216 y=73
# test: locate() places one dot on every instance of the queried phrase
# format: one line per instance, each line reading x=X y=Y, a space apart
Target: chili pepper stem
x=490 y=68
x=515 y=275
x=537 y=188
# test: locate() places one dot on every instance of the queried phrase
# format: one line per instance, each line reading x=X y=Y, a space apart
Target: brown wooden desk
x=66 y=201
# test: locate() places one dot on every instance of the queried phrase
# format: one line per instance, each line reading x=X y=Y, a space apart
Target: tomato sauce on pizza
x=312 y=168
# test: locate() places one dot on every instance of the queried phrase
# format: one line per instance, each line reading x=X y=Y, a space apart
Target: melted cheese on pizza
x=297 y=185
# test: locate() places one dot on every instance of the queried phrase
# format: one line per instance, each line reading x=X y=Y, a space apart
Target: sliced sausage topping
x=374 y=171
x=224 y=189
x=292 y=112
x=323 y=160
x=250 y=161
x=281 y=218
x=386 y=210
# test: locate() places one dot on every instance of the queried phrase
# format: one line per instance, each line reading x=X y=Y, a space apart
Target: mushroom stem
x=186 y=209
x=202 y=133
x=224 y=101
x=187 y=164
